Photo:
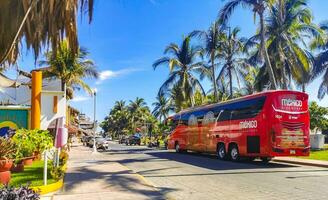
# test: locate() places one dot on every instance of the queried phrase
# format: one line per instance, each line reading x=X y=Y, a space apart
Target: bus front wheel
x=221 y=152
x=234 y=153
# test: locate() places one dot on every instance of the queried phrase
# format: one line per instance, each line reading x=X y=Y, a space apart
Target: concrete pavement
x=95 y=176
x=302 y=161
x=197 y=176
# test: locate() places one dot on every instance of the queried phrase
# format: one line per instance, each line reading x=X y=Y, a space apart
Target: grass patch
x=319 y=155
x=32 y=175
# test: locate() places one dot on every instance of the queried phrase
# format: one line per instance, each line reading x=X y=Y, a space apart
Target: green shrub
x=58 y=172
x=24 y=143
x=31 y=141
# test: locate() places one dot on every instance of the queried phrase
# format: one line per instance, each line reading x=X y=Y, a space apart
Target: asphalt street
x=199 y=176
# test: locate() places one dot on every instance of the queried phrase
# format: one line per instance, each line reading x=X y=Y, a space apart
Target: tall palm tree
x=288 y=24
x=321 y=62
x=162 y=107
x=182 y=64
x=258 y=7
x=177 y=99
x=211 y=39
x=119 y=105
x=138 y=111
x=249 y=75
x=70 y=68
x=39 y=22
x=230 y=54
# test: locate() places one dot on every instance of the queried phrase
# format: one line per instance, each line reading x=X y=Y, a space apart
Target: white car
x=102 y=143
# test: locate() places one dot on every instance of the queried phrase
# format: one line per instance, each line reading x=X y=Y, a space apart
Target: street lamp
x=94 y=120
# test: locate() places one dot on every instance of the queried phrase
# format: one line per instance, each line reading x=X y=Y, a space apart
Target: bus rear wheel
x=177 y=148
x=234 y=153
x=221 y=152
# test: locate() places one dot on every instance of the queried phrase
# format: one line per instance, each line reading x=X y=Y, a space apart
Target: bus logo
x=248 y=124
x=291 y=102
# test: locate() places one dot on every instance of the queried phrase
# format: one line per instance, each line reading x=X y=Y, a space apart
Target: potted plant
x=42 y=140
x=25 y=146
x=7 y=150
x=18 y=166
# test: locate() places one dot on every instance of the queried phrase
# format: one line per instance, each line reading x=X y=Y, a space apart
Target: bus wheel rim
x=221 y=152
x=234 y=153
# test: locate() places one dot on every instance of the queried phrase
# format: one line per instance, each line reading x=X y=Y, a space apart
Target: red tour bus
x=263 y=125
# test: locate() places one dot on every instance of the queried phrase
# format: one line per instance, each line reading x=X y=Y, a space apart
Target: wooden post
x=36 y=99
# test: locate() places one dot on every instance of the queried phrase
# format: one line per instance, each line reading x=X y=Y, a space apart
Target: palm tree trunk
x=265 y=52
x=214 y=79
x=62 y=85
x=303 y=87
x=230 y=82
x=284 y=74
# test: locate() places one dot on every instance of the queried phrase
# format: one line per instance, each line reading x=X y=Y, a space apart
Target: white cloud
x=108 y=74
x=80 y=98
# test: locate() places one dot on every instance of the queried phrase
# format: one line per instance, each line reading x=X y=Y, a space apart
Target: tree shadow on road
x=210 y=161
x=125 y=180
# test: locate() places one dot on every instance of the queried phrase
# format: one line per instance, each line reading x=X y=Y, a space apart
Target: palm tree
x=212 y=39
x=119 y=105
x=38 y=23
x=249 y=75
x=162 y=107
x=182 y=64
x=138 y=111
x=258 y=7
x=177 y=99
x=230 y=54
x=288 y=23
x=70 y=68
x=321 y=63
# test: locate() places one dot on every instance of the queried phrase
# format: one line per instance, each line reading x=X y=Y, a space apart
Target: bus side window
x=208 y=118
x=192 y=121
x=224 y=115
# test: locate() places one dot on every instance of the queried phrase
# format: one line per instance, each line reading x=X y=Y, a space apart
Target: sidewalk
x=301 y=161
x=94 y=176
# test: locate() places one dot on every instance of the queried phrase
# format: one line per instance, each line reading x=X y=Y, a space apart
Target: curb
x=301 y=163
x=140 y=177
x=45 y=189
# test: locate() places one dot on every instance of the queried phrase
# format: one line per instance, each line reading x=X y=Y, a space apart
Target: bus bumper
x=290 y=152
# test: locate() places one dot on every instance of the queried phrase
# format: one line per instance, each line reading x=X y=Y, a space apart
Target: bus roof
x=233 y=101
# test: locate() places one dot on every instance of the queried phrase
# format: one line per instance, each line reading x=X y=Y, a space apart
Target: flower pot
x=17 y=168
x=37 y=156
x=5 y=177
x=5 y=165
x=28 y=161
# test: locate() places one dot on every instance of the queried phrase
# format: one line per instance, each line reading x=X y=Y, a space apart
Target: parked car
x=90 y=142
x=85 y=140
x=102 y=143
x=133 y=140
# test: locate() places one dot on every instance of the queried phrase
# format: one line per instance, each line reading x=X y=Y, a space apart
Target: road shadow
x=125 y=180
x=210 y=162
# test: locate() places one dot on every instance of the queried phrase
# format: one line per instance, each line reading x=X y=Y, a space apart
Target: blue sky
x=127 y=36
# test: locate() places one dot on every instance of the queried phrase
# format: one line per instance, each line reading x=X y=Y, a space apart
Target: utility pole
x=94 y=120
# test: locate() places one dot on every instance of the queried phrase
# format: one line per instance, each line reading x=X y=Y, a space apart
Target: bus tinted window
x=248 y=109
x=224 y=115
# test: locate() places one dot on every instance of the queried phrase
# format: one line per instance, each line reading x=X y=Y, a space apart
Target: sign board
x=12 y=119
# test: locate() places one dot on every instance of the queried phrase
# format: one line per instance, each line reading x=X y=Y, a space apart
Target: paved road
x=194 y=176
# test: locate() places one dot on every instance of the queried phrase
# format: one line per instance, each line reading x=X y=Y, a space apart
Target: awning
x=6 y=82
